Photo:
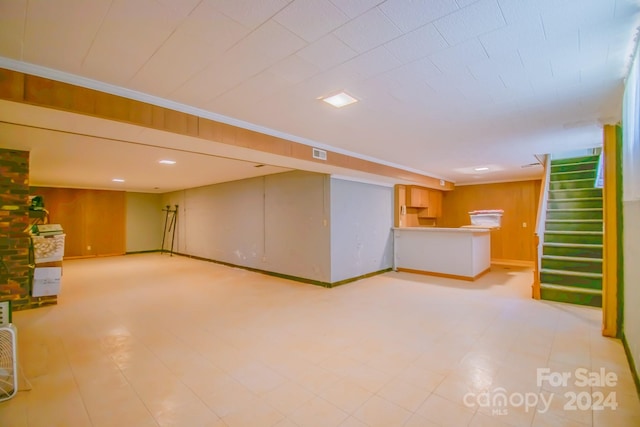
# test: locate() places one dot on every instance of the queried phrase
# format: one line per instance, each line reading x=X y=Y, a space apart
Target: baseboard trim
x=513 y=263
x=445 y=275
x=632 y=364
x=143 y=252
x=287 y=276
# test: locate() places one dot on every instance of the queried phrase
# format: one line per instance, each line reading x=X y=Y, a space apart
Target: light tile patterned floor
x=153 y=340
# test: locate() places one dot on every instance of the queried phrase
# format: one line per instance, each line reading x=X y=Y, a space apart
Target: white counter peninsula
x=459 y=253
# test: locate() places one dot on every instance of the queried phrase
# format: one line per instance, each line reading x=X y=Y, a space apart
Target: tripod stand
x=171 y=218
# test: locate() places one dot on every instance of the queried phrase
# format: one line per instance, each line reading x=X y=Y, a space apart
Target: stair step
x=575 y=233
x=595 y=203
x=577 y=199
x=571 y=263
x=575 y=160
x=570 y=297
x=572 y=221
x=572 y=184
x=573 y=225
x=571 y=289
x=576 y=213
x=571 y=167
x=573 y=175
x=574 y=245
x=575 y=192
x=563 y=236
x=575 y=209
x=572 y=258
x=572 y=273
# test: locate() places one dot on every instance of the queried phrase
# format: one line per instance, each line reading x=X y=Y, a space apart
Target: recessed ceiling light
x=167 y=162
x=339 y=100
x=481 y=169
x=117 y=180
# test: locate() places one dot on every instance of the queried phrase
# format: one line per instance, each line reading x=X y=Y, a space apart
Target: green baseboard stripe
x=143 y=252
x=287 y=276
x=632 y=364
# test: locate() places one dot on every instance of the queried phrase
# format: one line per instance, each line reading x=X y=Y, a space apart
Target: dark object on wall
x=36 y=203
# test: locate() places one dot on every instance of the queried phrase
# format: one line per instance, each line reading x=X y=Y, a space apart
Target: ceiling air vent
x=319 y=154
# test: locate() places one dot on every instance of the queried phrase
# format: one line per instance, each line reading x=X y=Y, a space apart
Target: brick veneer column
x=14 y=240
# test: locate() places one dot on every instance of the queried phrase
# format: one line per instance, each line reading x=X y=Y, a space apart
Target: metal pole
x=164 y=232
x=175 y=225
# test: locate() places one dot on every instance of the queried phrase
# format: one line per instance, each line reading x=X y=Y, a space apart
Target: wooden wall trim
x=42 y=92
x=610 y=196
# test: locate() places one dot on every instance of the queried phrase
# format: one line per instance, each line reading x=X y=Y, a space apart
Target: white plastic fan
x=8 y=357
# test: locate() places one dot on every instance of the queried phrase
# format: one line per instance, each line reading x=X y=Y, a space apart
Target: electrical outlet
x=89 y=247
x=524 y=225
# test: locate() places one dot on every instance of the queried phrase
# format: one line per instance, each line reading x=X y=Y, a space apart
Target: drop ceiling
x=444 y=87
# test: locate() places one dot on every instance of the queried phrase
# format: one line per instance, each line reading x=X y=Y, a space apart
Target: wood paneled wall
x=519 y=200
x=92 y=219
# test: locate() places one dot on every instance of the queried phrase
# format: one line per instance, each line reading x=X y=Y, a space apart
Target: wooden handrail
x=541 y=218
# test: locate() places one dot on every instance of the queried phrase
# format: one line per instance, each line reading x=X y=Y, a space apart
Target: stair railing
x=538 y=237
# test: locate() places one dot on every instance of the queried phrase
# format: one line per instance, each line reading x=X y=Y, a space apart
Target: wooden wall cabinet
x=435 y=204
x=428 y=201
x=417 y=197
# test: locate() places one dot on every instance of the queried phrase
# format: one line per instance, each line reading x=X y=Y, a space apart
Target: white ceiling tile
x=260 y=50
x=626 y=8
x=67 y=26
x=213 y=28
x=12 y=21
x=248 y=12
x=533 y=70
x=494 y=66
x=252 y=90
x=411 y=14
x=181 y=7
x=512 y=37
x=294 y=69
x=327 y=52
x=271 y=41
x=472 y=21
x=368 y=64
x=560 y=79
x=569 y=15
x=212 y=81
x=462 y=80
x=567 y=46
x=612 y=37
x=179 y=59
x=311 y=19
x=129 y=35
x=367 y=31
x=417 y=44
x=416 y=73
x=353 y=8
x=465 y=3
x=522 y=11
x=459 y=56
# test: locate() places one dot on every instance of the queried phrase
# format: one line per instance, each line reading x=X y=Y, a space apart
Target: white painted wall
x=631 y=236
x=143 y=222
x=631 y=210
x=361 y=229
x=274 y=223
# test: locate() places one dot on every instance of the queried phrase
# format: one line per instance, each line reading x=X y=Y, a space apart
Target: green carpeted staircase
x=571 y=268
